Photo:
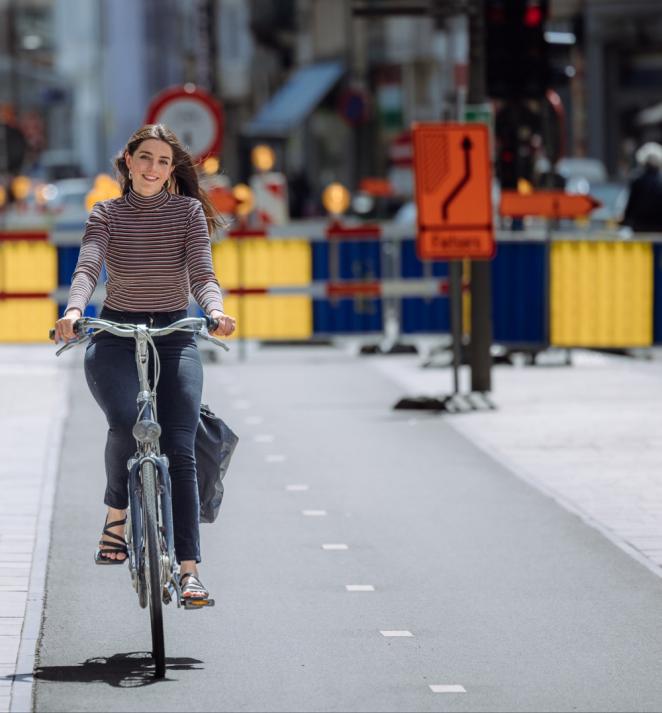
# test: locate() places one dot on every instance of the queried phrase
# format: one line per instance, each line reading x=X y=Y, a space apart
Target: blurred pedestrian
x=155 y=243
x=643 y=212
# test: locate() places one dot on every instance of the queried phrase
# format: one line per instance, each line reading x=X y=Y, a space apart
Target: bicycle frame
x=147 y=431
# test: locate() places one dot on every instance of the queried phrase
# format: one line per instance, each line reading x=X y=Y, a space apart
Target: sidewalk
x=589 y=436
x=33 y=401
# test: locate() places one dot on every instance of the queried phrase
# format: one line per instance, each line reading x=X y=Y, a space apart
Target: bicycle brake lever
x=213 y=340
x=71 y=344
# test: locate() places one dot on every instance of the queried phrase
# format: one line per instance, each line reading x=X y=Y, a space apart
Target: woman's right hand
x=64 y=327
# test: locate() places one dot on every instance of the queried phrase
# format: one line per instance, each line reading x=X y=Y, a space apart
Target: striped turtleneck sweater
x=156 y=250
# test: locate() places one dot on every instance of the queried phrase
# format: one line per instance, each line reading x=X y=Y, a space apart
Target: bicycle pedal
x=192 y=603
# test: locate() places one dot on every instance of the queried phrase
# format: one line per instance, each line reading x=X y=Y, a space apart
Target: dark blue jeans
x=111 y=373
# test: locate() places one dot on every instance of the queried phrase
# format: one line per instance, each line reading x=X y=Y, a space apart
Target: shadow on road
x=130 y=670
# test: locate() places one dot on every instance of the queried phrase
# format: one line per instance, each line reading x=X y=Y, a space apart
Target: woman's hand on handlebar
x=226 y=324
x=64 y=327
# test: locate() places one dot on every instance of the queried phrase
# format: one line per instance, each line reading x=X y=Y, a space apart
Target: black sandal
x=111 y=547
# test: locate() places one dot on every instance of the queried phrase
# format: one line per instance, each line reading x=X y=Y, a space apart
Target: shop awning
x=295 y=100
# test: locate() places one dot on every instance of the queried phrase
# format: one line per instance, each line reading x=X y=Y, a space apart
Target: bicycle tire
x=153 y=562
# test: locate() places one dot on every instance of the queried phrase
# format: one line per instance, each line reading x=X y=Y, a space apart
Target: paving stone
x=9 y=649
x=13 y=604
x=10 y=626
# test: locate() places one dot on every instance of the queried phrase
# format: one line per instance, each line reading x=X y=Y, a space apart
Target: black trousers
x=111 y=373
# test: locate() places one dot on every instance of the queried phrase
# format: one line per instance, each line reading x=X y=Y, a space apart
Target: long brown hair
x=184 y=178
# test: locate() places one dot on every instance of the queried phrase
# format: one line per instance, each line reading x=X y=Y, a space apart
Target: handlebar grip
x=212 y=324
x=77 y=327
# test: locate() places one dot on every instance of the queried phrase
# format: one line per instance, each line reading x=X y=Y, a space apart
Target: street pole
x=481 y=270
x=455 y=268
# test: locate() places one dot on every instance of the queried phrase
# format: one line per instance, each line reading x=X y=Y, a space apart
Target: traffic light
x=517 y=58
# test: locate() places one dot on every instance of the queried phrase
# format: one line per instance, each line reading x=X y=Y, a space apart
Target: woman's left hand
x=226 y=324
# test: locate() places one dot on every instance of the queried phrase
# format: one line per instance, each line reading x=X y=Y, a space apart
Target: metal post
x=481 y=270
x=455 y=267
x=12 y=51
x=391 y=316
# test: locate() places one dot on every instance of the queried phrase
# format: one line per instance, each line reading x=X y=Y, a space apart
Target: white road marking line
x=314 y=513
x=264 y=438
x=396 y=633
x=296 y=488
x=337 y=546
x=359 y=588
x=447 y=688
x=274 y=458
x=242 y=404
x=253 y=420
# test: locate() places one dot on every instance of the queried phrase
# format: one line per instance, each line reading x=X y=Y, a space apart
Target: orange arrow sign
x=548 y=204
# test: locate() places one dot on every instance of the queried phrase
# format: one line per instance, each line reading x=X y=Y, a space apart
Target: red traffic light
x=533 y=16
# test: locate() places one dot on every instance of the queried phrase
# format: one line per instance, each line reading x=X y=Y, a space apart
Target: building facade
x=78 y=75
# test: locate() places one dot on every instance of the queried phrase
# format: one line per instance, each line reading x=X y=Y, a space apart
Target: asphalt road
x=505 y=593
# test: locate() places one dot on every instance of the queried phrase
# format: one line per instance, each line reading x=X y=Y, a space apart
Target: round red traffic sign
x=193 y=114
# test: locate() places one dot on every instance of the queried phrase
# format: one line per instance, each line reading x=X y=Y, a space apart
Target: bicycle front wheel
x=153 y=565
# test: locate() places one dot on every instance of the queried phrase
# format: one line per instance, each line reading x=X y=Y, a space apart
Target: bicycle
x=149 y=529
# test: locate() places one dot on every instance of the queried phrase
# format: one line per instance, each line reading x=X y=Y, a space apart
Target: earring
x=166 y=185
x=130 y=176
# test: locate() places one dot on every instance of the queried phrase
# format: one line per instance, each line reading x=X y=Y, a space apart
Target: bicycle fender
x=135 y=502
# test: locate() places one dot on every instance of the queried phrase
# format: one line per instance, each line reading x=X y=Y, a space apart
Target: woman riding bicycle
x=155 y=243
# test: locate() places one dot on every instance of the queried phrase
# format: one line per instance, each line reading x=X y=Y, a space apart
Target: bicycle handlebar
x=195 y=325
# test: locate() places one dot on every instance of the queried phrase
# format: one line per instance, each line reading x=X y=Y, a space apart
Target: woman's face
x=150 y=166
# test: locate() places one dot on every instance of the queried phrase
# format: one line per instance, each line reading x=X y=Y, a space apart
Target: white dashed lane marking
x=253 y=420
x=264 y=438
x=397 y=632
x=296 y=488
x=275 y=458
x=337 y=546
x=359 y=588
x=447 y=688
x=314 y=513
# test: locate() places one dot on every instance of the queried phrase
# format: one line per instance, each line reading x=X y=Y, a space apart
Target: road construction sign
x=453 y=191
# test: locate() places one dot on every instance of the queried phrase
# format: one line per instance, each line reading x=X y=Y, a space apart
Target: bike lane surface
x=503 y=592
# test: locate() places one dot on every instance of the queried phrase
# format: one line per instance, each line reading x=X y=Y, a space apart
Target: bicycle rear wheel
x=153 y=565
